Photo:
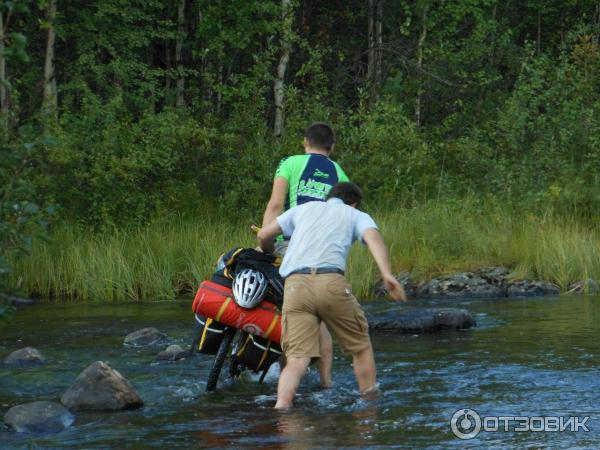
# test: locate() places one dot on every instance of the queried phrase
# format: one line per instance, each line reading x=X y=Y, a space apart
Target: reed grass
x=166 y=259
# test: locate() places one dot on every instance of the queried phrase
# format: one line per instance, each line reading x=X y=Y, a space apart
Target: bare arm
x=277 y=200
x=266 y=235
x=380 y=254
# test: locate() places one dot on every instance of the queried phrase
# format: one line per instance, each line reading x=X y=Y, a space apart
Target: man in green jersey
x=304 y=178
x=300 y=179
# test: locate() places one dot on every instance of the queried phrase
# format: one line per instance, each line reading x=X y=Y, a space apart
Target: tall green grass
x=160 y=261
x=166 y=259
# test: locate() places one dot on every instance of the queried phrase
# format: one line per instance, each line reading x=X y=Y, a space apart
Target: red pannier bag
x=216 y=302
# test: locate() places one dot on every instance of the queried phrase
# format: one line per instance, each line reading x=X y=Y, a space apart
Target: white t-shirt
x=321 y=234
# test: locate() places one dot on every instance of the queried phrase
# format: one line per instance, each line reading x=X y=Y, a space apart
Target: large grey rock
x=25 y=356
x=406 y=280
x=422 y=320
x=144 y=337
x=460 y=285
x=588 y=286
x=172 y=353
x=38 y=417
x=526 y=288
x=101 y=388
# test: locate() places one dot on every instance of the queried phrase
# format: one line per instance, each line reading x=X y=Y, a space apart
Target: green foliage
x=508 y=95
x=386 y=155
x=21 y=218
x=549 y=130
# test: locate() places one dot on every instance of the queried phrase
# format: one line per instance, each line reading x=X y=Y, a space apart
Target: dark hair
x=320 y=135
x=349 y=192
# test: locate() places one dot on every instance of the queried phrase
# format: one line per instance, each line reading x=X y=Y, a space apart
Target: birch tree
x=375 y=43
x=287 y=19
x=50 y=104
x=180 y=102
x=420 y=44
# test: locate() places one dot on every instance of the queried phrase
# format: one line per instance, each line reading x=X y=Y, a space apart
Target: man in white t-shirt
x=316 y=289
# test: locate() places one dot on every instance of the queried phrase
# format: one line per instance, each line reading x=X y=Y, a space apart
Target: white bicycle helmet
x=249 y=288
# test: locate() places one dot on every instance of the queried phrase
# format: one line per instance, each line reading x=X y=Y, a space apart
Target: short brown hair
x=348 y=192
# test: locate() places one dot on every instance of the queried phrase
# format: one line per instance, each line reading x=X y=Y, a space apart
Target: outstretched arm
x=379 y=251
x=277 y=200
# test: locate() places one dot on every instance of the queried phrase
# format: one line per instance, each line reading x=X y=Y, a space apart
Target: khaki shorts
x=307 y=300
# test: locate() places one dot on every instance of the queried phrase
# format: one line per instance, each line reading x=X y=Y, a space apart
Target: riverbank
x=166 y=259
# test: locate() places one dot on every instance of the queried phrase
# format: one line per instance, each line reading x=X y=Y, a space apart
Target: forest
x=138 y=139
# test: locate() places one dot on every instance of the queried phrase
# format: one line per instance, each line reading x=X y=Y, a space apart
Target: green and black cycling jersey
x=310 y=177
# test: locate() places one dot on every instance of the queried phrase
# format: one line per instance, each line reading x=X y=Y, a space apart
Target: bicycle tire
x=215 y=370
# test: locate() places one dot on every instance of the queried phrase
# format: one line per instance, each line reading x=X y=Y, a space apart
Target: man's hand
x=394 y=288
x=266 y=235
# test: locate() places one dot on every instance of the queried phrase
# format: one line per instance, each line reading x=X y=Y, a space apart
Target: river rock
x=526 y=288
x=460 y=285
x=38 y=417
x=406 y=280
x=494 y=275
x=25 y=356
x=422 y=320
x=144 y=337
x=16 y=301
x=172 y=353
x=101 y=388
x=588 y=286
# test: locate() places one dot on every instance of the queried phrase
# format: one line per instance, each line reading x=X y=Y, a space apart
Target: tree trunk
x=371 y=43
x=3 y=90
x=179 y=54
x=219 y=93
x=379 y=39
x=286 y=47
x=420 y=44
x=168 y=67
x=597 y=23
x=50 y=104
x=539 y=32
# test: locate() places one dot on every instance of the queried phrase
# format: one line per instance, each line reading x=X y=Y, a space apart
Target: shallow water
x=528 y=357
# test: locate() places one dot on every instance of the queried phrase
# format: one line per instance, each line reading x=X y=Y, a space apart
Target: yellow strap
x=271 y=326
x=222 y=308
x=264 y=356
x=235 y=254
x=203 y=338
x=241 y=350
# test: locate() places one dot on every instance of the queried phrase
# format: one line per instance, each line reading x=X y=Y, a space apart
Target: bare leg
x=364 y=369
x=326 y=357
x=289 y=380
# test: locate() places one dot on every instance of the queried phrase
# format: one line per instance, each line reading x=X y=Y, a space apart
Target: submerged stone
x=25 y=356
x=101 y=388
x=38 y=417
x=144 y=337
x=422 y=320
x=172 y=353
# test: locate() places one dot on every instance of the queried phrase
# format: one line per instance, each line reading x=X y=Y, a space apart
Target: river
x=526 y=358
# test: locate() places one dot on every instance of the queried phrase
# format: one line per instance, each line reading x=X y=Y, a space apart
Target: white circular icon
x=465 y=424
